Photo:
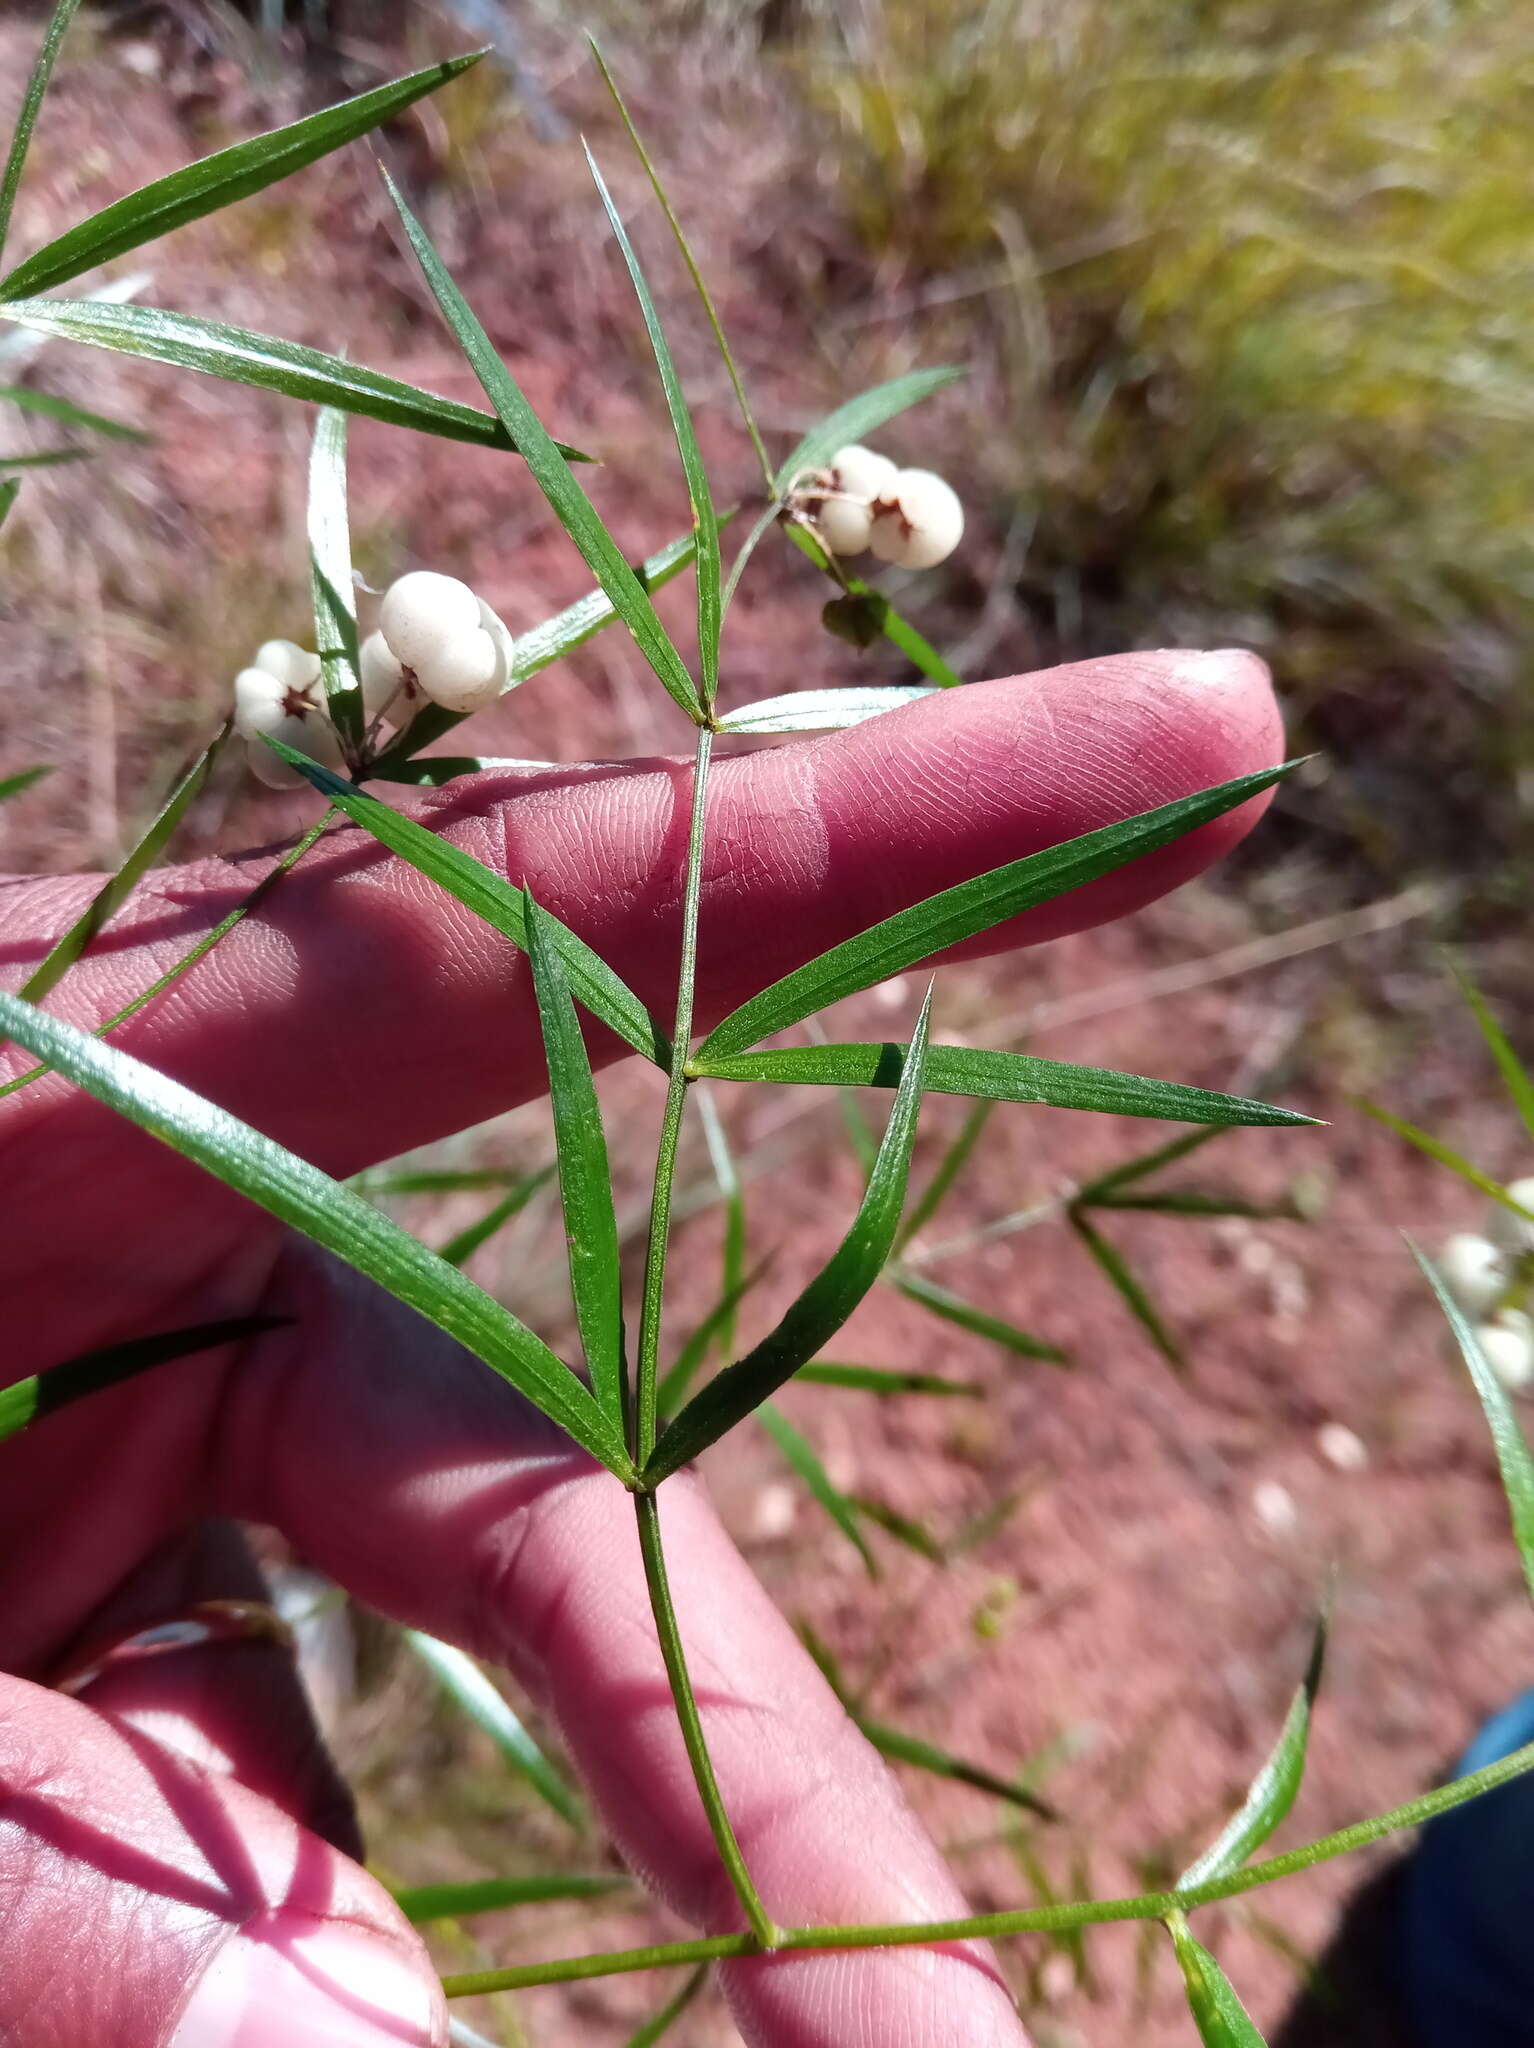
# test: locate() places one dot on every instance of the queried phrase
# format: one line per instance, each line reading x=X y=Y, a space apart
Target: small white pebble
x=775 y=1512
x=1474 y=1270
x=1274 y=1507
x=1340 y=1447
x=919 y=521
x=1508 y=1343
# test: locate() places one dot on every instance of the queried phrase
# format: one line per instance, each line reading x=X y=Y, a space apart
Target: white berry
x=1474 y=1271
x=422 y=613
x=1511 y=1230
x=858 y=472
x=465 y=675
x=844 y=525
x=288 y=662
x=262 y=704
x=1509 y=1347
x=919 y=521
x=383 y=675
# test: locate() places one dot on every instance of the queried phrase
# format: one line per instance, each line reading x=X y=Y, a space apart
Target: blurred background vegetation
x=1245 y=295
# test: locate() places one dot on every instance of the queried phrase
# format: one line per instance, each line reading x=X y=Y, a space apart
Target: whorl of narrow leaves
x=825 y=1304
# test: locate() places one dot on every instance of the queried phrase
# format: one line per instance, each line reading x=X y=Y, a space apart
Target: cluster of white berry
x=435 y=639
x=1490 y=1277
x=910 y=517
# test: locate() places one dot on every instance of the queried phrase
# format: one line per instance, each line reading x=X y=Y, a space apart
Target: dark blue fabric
x=1468 y=1926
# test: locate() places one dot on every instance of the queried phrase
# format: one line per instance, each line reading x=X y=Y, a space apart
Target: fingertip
x=286 y=1980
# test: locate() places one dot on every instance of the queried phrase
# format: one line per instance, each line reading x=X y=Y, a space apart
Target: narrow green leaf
x=552 y=473
x=473 y=1694
x=241 y=356
x=534 y=650
x=947 y=1171
x=690 y=260
x=1197 y=1202
x=438 y=770
x=50 y=458
x=1516 y=1077
x=897 y=629
x=661 y=2023
x=13 y=785
x=959 y=913
x=674 y=1388
x=299 y=1194
x=217 y=181
x=860 y=416
x=21 y=136
x=423 y=1903
x=30 y=1399
x=704 y=523
x=978 y=1321
x=733 y=1259
x=1122 y=1278
x=1508 y=1440
x=585 y=1177
x=825 y=1304
x=116 y=890
x=820 y=710
x=904 y=1528
x=1002 y=1076
x=442 y=1180
x=592 y=981
x=1274 y=1789
x=942 y=1763
x=1222 y=2020
x=193 y=954
x=8 y=489
x=872 y=1379
x=462 y=1246
x=330 y=573
x=800 y=1454
x=1146 y=1163
x=1435 y=1148
x=25 y=399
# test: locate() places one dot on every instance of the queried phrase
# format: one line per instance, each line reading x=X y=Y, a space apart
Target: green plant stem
x=204 y=946
x=671 y=1126
x=1032 y=1920
x=763 y=1934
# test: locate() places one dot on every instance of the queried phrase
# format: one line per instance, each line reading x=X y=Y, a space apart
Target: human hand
x=168 y=1870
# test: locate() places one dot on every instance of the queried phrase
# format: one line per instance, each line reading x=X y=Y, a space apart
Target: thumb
x=165 y=1904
